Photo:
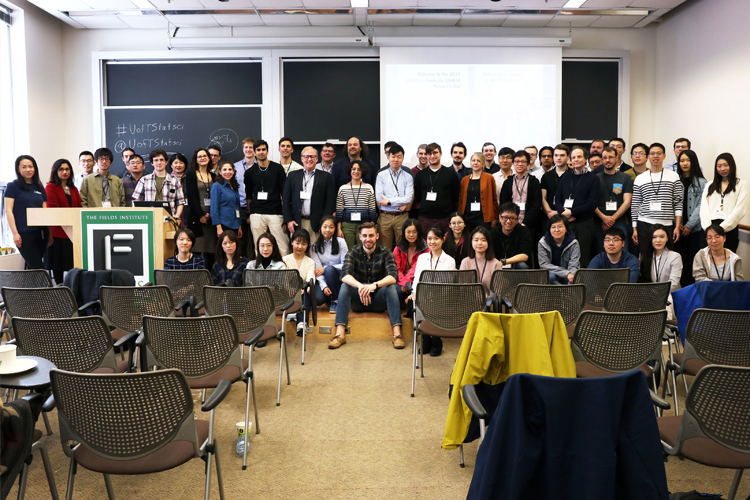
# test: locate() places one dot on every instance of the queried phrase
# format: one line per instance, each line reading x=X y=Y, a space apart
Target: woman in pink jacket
x=408 y=249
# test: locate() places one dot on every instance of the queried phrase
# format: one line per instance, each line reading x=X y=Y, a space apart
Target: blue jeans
x=557 y=280
x=382 y=299
x=520 y=265
x=599 y=233
x=333 y=280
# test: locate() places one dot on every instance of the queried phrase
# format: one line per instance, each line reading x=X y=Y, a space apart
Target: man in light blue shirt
x=679 y=146
x=394 y=192
x=239 y=168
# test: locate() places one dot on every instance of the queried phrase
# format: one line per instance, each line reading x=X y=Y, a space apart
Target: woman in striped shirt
x=355 y=203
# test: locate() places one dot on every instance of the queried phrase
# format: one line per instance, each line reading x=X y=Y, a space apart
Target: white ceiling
x=109 y=14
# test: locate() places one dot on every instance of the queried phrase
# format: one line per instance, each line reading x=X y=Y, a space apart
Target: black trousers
x=584 y=232
x=33 y=247
x=687 y=247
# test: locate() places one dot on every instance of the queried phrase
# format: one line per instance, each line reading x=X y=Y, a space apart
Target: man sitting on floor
x=368 y=283
x=613 y=256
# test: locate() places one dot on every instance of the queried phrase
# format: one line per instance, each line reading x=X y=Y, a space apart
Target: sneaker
x=333 y=307
x=300 y=328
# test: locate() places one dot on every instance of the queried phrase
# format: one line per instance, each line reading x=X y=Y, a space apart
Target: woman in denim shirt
x=691 y=235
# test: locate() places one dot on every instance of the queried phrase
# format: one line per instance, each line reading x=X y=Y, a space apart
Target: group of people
x=365 y=234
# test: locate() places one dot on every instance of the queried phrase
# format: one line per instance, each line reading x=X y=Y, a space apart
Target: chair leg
x=108 y=484
x=414 y=364
x=247 y=422
x=735 y=484
x=22 y=478
x=71 y=479
x=482 y=430
x=46 y=423
x=286 y=359
x=281 y=367
x=653 y=380
x=304 y=338
x=219 y=477
x=207 y=490
x=47 y=468
x=421 y=362
x=461 y=456
x=208 y=455
x=255 y=403
x=667 y=386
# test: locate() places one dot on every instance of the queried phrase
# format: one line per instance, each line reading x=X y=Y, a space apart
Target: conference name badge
x=356 y=217
x=262 y=195
x=106 y=204
x=431 y=196
x=655 y=206
x=610 y=205
x=522 y=205
x=568 y=203
x=304 y=195
x=476 y=206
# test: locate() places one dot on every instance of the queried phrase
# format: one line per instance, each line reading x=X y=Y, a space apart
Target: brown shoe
x=336 y=342
x=398 y=342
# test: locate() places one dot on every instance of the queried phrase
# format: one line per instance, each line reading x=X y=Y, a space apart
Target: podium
x=135 y=239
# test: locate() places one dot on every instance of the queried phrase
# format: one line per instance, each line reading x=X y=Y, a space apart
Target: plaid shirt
x=369 y=270
x=195 y=262
x=171 y=190
x=220 y=273
x=129 y=184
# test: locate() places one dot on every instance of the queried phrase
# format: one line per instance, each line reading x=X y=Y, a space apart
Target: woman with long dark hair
x=225 y=200
x=328 y=253
x=61 y=192
x=457 y=242
x=197 y=189
x=27 y=192
x=229 y=265
x=659 y=263
x=482 y=258
x=355 y=203
x=267 y=254
x=184 y=239
x=300 y=260
x=691 y=234
x=725 y=200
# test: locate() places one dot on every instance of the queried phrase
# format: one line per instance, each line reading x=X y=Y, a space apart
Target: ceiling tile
x=657 y=4
x=217 y=5
x=100 y=22
x=278 y=4
x=331 y=20
x=177 y=5
x=238 y=19
x=540 y=4
x=436 y=19
x=62 y=5
x=144 y=22
x=606 y=4
x=327 y=4
x=192 y=21
x=390 y=19
x=111 y=4
x=563 y=21
x=285 y=20
x=615 y=22
x=392 y=4
x=482 y=20
x=527 y=21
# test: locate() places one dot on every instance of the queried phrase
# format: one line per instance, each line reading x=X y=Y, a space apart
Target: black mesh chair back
x=250 y=306
x=568 y=300
x=719 y=337
x=461 y=276
x=30 y=278
x=449 y=306
x=285 y=284
x=597 y=283
x=195 y=346
x=618 y=342
x=125 y=306
x=74 y=344
x=505 y=281
x=636 y=297
x=57 y=302
x=718 y=401
x=184 y=284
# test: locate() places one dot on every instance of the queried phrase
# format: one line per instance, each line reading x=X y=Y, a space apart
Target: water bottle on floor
x=241 y=437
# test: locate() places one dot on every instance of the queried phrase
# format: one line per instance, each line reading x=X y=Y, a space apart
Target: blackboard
x=590 y=97
x=180 y=130
x=184 y=84
x=331 y=100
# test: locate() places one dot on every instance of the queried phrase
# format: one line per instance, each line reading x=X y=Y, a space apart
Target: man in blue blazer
x=309 y=194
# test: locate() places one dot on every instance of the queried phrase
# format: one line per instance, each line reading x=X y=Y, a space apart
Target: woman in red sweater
x=61 y=193
x=409 y=247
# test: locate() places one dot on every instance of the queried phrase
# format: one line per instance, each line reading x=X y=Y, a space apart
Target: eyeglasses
x=637 y=153
x=458 y=223
x=508 y=219
x=612 y=240
x=656 y=153
x=309 y=157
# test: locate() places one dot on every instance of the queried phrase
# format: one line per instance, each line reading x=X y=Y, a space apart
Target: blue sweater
x=601 y=261
x=225 y=202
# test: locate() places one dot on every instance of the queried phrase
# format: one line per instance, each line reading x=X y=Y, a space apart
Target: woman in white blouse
x=328 y=253
x=660 y=263
x=435 y=260
x=299 y=259
x=725 y=200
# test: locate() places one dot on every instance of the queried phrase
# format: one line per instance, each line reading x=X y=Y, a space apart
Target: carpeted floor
x=347 y=428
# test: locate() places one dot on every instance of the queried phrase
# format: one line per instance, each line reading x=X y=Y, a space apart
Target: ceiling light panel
x=100 y=22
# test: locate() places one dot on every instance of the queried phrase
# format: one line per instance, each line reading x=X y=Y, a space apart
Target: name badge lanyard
x=580 y=178
x=306 y=180
x=721 y=208
x=356 y=200
x=519 y=191
x=655 y=190
x=398 y=193
x=481 y=276
x=432 y=183
x=436 y=262
x=263 y=177
x=723 y=269
x=656 y=265
x=476 y=192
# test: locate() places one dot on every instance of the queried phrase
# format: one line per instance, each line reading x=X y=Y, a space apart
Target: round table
x=36 y=378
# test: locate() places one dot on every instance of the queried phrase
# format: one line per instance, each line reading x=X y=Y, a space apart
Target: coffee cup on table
x=7 y=356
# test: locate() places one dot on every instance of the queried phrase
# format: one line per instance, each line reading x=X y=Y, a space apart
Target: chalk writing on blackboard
x=226 y=138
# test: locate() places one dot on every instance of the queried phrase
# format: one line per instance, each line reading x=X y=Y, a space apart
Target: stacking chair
x=134 y=423
x=30 y=278
x=504 y=282
x=443 y=310
x=636 y=297
x=714 y=429
x=463 y=276
x=713 y=337
x=287 y=287
x=206 y=350
x=568 y=300
x=57 y=302
x=124 y=307
x=606 y=343
x=597 y=283
x=186 y=287
x=252 y=308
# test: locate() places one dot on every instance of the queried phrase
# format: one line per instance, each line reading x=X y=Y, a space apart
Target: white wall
x=46 y=93
x=702 y=82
